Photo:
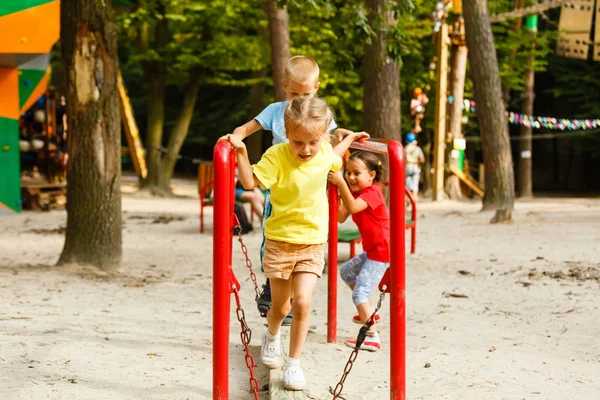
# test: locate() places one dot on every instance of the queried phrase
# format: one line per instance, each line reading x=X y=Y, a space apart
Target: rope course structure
x=521 y=12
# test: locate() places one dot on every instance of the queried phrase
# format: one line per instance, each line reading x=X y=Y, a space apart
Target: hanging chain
x=362 y=334
x=246 y=335
x=238 y=226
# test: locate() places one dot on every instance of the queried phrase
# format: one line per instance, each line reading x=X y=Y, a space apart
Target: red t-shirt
x=374 y=224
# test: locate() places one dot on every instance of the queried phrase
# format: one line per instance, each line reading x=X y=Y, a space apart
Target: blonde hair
x=301 y=69
x=312 y=114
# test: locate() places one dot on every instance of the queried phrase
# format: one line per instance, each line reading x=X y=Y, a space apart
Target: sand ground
x=525 y=324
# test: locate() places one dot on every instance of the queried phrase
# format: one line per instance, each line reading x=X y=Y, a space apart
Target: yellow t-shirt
x=298 y=193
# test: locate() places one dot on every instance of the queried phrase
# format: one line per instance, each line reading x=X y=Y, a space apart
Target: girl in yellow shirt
x=296 y=172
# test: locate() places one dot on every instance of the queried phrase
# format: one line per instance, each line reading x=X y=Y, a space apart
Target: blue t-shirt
x=271 y=119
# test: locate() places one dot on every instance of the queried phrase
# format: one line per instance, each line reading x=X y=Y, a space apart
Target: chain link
x=246 y=336
x=238 y=226
x=362 y=334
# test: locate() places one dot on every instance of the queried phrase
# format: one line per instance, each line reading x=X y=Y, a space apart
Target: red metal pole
x=221 y=265
x=332 y=263
x=397 y=272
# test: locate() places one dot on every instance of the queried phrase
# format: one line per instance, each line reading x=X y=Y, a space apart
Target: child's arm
x=245 y=173
x=342 y=213
x=351 y=205
x=341 y=147
x=242 y=132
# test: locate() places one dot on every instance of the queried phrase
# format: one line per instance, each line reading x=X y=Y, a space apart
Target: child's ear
x=372 y=174
x=318 y=85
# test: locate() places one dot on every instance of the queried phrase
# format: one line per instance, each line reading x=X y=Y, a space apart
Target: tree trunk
x=154 y=73
x=524 y=183
x=155 y=99
x=257 y=101
x=458 y=70
x=280 y=45
x=382 y=78
x=499 y=176
x=89 y=50
x=179 y=132
x=517 y=24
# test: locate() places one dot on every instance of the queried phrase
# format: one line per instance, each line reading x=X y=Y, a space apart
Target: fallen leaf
x=456 y=295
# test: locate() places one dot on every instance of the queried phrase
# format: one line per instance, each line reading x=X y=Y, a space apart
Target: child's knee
x=360 y=295
x=301 y=306
x=347 y=276
x=282 y=310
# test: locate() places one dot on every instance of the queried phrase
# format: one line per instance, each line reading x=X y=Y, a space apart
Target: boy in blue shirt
x=301 y=79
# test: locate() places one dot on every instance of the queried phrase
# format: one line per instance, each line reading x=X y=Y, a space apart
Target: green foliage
x=227 y=41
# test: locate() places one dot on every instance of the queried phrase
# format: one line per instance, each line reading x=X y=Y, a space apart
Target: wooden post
x=439 y=144
x=458 y=71
x=136 y=149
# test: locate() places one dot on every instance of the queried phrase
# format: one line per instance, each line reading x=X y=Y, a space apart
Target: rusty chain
x=238 y=226
x=246 y=336
x=362 y=334
x=246 y=333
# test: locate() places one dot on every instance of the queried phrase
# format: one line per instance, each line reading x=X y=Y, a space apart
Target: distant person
x=296 y=231
x=362 y=197
x=414 y=157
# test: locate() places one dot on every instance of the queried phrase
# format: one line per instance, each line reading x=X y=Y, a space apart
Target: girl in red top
x=363 y=197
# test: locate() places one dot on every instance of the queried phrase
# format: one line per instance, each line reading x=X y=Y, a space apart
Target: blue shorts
x=364 y=274
x=413 y=173
x=266 y=214
x=238 y=193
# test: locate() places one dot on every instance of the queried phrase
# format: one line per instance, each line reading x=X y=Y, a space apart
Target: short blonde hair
x=301 y=69
x=310 y=113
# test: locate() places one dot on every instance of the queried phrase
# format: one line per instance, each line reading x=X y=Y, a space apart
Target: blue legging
x=365 y=274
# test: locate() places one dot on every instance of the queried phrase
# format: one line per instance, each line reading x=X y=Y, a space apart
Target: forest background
x=208 y=61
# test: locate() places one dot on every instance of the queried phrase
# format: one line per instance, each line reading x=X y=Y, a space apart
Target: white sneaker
x=293 y=377
x=270 y=352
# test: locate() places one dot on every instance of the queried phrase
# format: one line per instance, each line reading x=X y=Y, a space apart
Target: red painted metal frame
x=397 y=281
x=332 y=265
x=397 y=287
x=224 y=161
x=224 y=170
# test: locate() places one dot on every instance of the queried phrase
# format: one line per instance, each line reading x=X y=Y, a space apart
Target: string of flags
x=562 y=124
x=537 y=122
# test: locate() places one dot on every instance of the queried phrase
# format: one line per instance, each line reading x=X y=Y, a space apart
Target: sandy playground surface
x=493 y=312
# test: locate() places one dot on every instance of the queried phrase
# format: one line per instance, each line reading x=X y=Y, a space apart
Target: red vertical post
x=232 y=165
x=397 y=272
x=221 y=266
x=332 y=263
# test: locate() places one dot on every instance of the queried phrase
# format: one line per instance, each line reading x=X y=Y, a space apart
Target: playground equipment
x=28 y=29
x=136 y=149
x=205 y=185
x=225 y=282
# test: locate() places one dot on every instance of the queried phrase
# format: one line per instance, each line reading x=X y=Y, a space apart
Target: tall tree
x=279 y=37
x=183 y=45
x=88 y=38
x=524 y=181
x=257 y=102
x=499 y=176
x=458 y=71
x=381 y=100
x=154 y=37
